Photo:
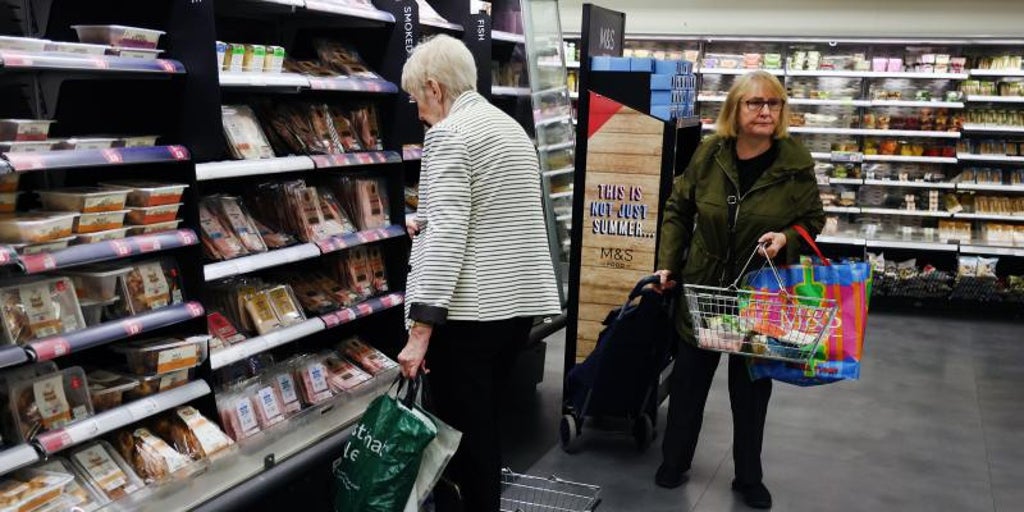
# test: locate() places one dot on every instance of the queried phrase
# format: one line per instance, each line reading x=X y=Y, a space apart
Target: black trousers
x=691 y=381
x=469 y=364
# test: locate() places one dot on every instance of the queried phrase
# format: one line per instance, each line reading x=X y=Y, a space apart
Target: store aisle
x=933 y=425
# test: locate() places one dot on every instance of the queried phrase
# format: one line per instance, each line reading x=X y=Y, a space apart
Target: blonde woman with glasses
x=748 y=184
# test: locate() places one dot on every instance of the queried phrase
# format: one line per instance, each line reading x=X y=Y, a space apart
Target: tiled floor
x=934 y=424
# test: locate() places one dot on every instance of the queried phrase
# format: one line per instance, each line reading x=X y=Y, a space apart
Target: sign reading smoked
x=620 y=211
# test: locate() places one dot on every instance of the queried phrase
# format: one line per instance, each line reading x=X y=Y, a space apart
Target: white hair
x=443 y=59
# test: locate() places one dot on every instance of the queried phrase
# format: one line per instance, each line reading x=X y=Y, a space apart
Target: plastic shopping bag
x=435 y=458
x=381 y=460
x=838 y=357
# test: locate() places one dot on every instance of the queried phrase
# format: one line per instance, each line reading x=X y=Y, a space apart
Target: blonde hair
x=728 y=119
x=443 y=59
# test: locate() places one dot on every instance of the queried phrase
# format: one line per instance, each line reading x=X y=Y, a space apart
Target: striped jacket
x=482 y=253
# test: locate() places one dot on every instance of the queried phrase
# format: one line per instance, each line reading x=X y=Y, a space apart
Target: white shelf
x=829 y=103
x=563 y=218
x=905 y=213
x=508 y=37
x=975 y=98
x=876 y=74
x=909 y=184
x=989 y=216
x=845 y=181
x=997 y=72
x=242 y=79
x=968 y=157
x=990 y=187
x=17 y=457
x=740 y=71
x=501 y=90
x=572 y=64
x=562 y=195
x=842 y=209
x=973 y=127
x=992 y=250
x=559 y=172
x=873 y=132
x=818 y=155
x=441 y=24
x=237 y=168
x=839 y=239
x=711 y=99
x=708 y=127
x=912 y=103
x=260 y=344
x=247 y=264
x=557 y=147
x=911 y=159
x=923 y=246
x=355 y=12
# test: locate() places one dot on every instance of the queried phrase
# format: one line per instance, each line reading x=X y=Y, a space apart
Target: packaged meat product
x=218 y=240
x=366 y=126
x=151 y=457
x=151 y=285
x=313 y=299
x=119 y=35
x=160 y=356
x=235 y=217
x=342 y=294
x=49 y=402
x=153 y=384
x=191 y=433
x=285 y=305
x=84 y=199
x=245 y=137
x=284 y=384
x=367 y=357
x=311 y=376
x=356 y=269
x=35 y=227
x=333 y=212
x=153 y=214
x=375 y=259
x=238 y=415
x=97 y=283
x=76 y=48
x=31 y=489
x=96 y=222
x=9 y=201
x=38 y=309
x=24 y=129
x=102 y=236
x=222 y=330
x=80 y=494
x=103 y=467
x=148 y=193
x=107 y=389
x=267 y=402
x=158 y=227
x=345 y=376
x=23 y=44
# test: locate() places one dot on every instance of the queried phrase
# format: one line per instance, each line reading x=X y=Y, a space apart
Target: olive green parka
x=700 y=245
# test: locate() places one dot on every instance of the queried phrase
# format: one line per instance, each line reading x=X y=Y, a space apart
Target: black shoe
x=754 y=495
x=670 y=477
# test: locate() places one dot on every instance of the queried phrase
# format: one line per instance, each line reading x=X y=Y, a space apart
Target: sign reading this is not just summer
x=620 y=211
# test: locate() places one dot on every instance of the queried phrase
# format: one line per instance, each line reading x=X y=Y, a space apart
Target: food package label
x=102 y=469
x=317 y=377
x=173 y=380
x=246 y=415
x=171 y=458
x=156 y=290
x=259 y=306
x=52 y=402
x=288 y=394
x=177 y=359
x=41 y=309
x=209 y=436
x=267 y=402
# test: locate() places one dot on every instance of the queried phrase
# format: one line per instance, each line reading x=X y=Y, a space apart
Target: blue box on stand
x=605 y=63
x=661 y=82
x=673 y=67
x=641 y=64
x=663 y=112
x=661 y=98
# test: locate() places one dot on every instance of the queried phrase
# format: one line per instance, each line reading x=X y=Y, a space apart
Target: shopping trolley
x=769 y=325
x=524 y=493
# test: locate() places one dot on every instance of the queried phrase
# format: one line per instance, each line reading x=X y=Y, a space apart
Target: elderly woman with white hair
x=481 y=267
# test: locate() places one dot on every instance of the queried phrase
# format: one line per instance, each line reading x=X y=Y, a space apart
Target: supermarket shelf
x=910 y=184
x=29 y=61
x=572 y=64
x=569 y=144
x=830 y=102
x=740 y=71
x=873 y=132
x=709 y=127
x=976 y=98
x=501 y=90
x=845 y=181
x=507 y=37
x=238 y=168
x=12 y=355
x=563 y=218
x=56 y=346
x=970 y=157
x=247 y=264
x=992 y=250
x=821 y=155
x=905 y=213
x=252 y=346
x=990 y=216
x=911 y=103
x=68 y=159
x=443 y=25
x=911 y=159
x=561 y=195
x=251 y=79
x=108 y=250
x=559 y=172
x=984 y=128
x=876 y=74
x=554 y=120
x=363 y=309
x=990 y=187
x=353 y=159
x=714 y=99
x=924 y=246
x=842 y=209
x=352 y=84
x=17 y=457
x=352 y=12
x=109 y=421
x=409 y=154
x=839 y=239
x=338 y=243
x=997 y=72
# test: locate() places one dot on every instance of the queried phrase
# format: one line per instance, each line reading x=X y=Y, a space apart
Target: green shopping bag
x=381 y=460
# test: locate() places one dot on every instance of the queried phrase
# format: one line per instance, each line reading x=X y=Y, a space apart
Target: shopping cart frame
x=525 y=493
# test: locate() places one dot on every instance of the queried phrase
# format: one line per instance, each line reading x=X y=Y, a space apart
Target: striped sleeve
x=443 y=249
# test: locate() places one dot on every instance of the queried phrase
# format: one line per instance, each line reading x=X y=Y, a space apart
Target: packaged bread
x=238 y=415
x=105 y=470
x=79 y=494
x=31 y=489
x=367 y=357
x=40 y=308
x=49 y=402
x=191 y=433
x=151 y=457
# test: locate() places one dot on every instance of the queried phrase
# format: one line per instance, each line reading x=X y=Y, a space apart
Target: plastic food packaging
x=367 y=357
x=27 y=146
x=36 y=227
x=238 y=415
x=92 y=310
x=49 y=402
x=158 y=227
x=97 y=283
x=31 y=489
x=79 y=495
x=137 y=141
x=191 y=433
x=233 y=215
x=161 y=356
x=37 y=309
x=222 y=330
x=153 y=384
x=24 y=130
x=8 y=201
x=151 y=285
x=96 y=222
x=103 y=467
x=261 y=313
x=148 y=193
x=245 y=137
x=267 y=402
x=76 y=48
x=311 y=376
x=23 y=44
x=151 y=457
x=285 y=305
x=84 y=199
x=9 y=182
x=119 y=35
x=153 y=214
x=102 y=236
x=218 y=241
x=345 y=376
x=284 y=382
x=85 y=143
x=107 y=389
x=134 y=53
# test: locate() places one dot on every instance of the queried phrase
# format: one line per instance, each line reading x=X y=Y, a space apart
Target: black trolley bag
x=620 y=378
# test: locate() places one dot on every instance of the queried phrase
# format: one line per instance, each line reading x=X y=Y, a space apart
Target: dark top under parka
x=700 y=245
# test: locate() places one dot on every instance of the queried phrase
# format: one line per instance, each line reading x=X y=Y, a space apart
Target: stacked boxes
x=673 y=85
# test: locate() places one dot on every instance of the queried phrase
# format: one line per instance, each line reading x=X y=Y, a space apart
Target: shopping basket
x=524 y=493
x=768 y=325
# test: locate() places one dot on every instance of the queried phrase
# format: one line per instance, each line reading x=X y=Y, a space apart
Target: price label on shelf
x=331 y=319
x=121 y=248
x=25 y=161
x=15 y=59
x=187 y=237
x=363 y=236
x=148 y=243
x=178 y=152
x=99 y=62
x=55 y=441
x=40 y=262
x=364 y=309
x=84 y=430
x=388 y=301
x=346 y=315
x=112 y=156
x=131 y=326
x=51 y=348
x=6 y=255
x=166 y=65
x=195 y=309
x=146 y=408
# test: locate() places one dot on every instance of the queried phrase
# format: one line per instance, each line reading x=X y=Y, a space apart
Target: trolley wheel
x=643 y=432
x=569 y=432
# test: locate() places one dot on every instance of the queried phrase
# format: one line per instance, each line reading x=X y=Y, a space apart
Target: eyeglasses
x=755 y=105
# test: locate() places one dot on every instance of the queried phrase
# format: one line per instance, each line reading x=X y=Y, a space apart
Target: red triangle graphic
x=601 y=110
